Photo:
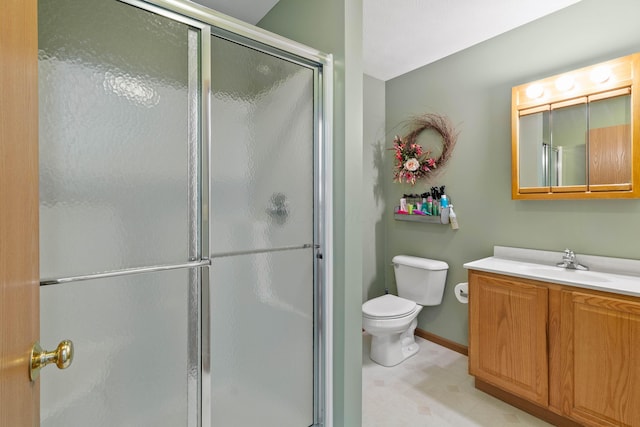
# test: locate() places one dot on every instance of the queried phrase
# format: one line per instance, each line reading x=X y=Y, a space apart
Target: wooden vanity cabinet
x=508 y=335
x=573 y=353
x=601 y=364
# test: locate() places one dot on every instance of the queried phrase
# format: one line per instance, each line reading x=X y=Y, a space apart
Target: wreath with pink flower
x=412 y=162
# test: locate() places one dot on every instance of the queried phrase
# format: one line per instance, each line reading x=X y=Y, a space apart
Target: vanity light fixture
x=535 y=91
x=600 y=75
x=565 y=83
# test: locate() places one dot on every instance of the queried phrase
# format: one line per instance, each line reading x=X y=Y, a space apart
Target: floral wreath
x=412 y=162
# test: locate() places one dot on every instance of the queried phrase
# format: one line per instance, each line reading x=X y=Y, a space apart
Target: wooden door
x=508 y=335
x=601 y=364
x=19 y=275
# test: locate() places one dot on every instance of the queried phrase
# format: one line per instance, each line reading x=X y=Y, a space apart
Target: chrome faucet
x=569 y=261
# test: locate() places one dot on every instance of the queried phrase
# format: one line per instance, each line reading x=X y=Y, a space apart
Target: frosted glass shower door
x=119 y=184
x=262 y=238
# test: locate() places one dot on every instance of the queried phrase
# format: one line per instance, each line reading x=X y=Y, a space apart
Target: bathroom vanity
x=561 y=344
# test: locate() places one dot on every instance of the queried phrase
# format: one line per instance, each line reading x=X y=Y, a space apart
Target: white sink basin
x=566 y=274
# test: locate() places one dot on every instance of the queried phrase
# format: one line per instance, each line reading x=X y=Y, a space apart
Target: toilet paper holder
x=461 y=292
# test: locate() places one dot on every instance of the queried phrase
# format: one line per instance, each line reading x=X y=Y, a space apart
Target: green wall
x=335 y=26
x=473 y=88
x=374 y=176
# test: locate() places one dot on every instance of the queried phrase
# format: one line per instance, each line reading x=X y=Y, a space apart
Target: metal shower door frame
x=210 y=23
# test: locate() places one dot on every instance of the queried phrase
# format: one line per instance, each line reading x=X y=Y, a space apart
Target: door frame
x=19 y=242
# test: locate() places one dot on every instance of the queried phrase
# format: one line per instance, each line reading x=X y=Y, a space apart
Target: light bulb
x=564 y=83
x=600 y=74
x=534 y=91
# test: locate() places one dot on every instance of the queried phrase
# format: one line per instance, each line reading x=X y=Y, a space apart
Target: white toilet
x=391 y=320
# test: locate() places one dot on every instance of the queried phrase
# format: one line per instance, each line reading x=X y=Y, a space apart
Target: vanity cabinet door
x=508 y=335
x=601 y=363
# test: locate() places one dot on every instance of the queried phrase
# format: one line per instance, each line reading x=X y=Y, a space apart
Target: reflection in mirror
x=535 y=144
x=568 y=139
x=610 y=141
x=551 y=160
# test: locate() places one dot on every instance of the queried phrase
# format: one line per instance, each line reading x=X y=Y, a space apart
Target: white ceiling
x=402 y=35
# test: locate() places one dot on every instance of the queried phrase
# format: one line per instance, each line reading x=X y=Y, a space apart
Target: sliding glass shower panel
x=262 y=149
x=262 y=339
x=119 y=181
x=130 y=341
x=118 y=86
x=261 y=238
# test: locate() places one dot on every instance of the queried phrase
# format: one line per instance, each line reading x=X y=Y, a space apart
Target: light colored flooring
x=433 y=389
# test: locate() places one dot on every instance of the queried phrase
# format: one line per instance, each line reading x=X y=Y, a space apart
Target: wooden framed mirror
x=574 y=135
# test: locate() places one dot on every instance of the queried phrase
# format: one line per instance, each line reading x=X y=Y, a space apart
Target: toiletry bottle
x=453 y=218
x=403 y=204
x=429 y=206
x=436 y=206
x=444 y=201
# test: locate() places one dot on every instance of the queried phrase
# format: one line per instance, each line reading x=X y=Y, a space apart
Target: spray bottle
x=453 y=218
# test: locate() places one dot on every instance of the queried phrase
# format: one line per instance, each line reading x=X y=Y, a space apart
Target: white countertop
x=621 y=276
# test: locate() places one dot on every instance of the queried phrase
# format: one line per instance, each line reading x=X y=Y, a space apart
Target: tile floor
x=431 y=389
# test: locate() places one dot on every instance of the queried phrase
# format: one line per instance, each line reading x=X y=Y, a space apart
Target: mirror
x=572 y=134
x=535 y=144
x=569 y=140
x=610 y=141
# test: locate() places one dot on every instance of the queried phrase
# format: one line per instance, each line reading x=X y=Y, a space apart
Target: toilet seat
x=388 y=307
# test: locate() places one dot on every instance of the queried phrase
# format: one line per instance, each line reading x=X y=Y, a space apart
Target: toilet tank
x=420 y=279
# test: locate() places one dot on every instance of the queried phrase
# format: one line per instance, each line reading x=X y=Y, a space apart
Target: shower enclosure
x=185 y=222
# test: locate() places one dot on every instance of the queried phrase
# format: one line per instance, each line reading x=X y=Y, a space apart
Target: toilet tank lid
x=417 y=262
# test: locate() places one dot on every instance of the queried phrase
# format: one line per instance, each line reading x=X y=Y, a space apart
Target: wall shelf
x=427 y=219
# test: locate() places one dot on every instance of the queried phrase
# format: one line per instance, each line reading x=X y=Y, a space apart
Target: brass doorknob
x=61 y=356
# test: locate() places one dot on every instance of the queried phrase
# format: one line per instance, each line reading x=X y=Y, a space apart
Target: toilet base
x=392 y=349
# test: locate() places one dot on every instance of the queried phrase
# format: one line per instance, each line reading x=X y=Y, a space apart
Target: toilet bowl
x=391 y=320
